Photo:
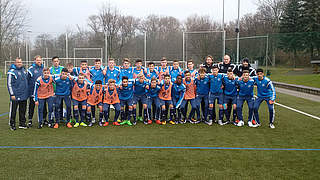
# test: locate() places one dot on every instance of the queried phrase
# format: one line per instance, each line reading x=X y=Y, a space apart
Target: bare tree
x=13 y=20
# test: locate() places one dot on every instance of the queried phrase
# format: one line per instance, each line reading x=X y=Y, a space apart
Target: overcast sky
x=55 y=16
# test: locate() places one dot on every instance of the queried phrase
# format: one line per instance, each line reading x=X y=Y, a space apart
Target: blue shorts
x=76 y=103
x=99 y=104
x=128 y=102
x=227 y=98
x=142 y=98
x=214 y=97
x=154 y=100
x=164 y=102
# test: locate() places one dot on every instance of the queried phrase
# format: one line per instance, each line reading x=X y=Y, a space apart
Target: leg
x=13 y=112
x=40 y=111
x=250 y=102
x=106 y=110
x=256 y=106
x=31 y=111
x=22 y=112
x=117 y=112
x=271 y=112
x=50 y=102
x=67 y=101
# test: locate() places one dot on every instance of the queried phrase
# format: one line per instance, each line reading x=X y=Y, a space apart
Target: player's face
x=97 y=65
x=245 y=76
x=190 y=65
x=139 y=64
x=18 y=63
x=179 y=80
x=81 y=79
x=167 y=80
x=70 y=69
x=188 y=76
x=98 y=86
x=260 y=75
x=151 y=67
x=141 y=78
x=126 y=65
x=215 y=71
x=38 y=61
x=111 y=64
x=56 y=62
x=202 y=75
x=245 y=64
x=64 y=75
x=226 y=59
x=230 y=75
x=46 y=74
x=175 y=65
x=111 y=85
x=209 y=60
x=125 y=82
x=164 y=63
x=84 y=65
x=153 y=84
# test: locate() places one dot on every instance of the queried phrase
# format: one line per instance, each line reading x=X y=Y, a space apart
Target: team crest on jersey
x=218 y=79
x=262 y=85
x=35 y=71
x=249 y=86
x=19 y=73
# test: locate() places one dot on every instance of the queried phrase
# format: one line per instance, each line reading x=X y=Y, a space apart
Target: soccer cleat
x=164 y=122
x=209 y=122
x=56 y=126
x=100 y=123
x=183 y=121
x=158 y=122
x=139 y=118
x=84 y=124
x=133 y=123
x=227 y=122
x=220 y=122
x=254 y=122
x=123 y=122
x=106 y=124
x=90 y=124
x=149 y=122
x=172 y=122
x=271 y=126
x=115 y=124
x=256 y=125
x=240 y=123
x=23 y=127
x=69 y=125
x=93 y=120
x=76 y=125
x=50 y=125
x=30 y=123
x=129 y=123
x=39 y=126
x=13 y=128
x=145 y=122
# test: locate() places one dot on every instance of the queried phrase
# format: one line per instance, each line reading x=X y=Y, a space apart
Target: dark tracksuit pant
x=22 y=112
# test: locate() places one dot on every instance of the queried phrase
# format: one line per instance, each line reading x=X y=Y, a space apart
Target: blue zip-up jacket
x=245 y=88
x=17 y=83
x=63 y=87
x=140 y=88
x=136 y=71
x=152 y=74
x=34 y=71
x=203 y=85
x=112 y=74
x=178 y=92
x=126 y=93
x=174 y=73
x=215 y=83
x=97 y=74
x=153 y=92
x=56 y=71
x=126 y=72
x=265 y=88
x=230 y=86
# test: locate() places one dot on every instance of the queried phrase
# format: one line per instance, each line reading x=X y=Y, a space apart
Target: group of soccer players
x=162 y=93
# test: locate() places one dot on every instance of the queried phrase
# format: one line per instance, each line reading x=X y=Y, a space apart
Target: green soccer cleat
x=123 y=122
x=129 y=123
x=139 y=118
x=76 y=125
x=83 y=124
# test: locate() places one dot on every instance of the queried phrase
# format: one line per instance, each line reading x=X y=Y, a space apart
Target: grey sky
x=55 y=16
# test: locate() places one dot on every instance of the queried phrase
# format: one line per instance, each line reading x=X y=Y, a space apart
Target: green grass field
x=293 y=130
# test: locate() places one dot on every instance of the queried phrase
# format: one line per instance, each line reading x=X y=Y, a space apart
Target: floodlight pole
x=238 y=32
x=106 y=46
x=145 y=49
x=183 y=48
x=67 y=52
x=267 y=52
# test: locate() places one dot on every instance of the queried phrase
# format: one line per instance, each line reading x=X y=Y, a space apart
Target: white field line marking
x=298 y=111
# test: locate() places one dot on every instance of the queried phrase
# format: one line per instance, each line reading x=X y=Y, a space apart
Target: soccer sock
x=93 y=111
x=198 y=113
x=76 y=115
x=179 y=114
x=221 y=114
x=210 y=113
x=163 y=114
x=122 y=114
x=149 y=113
x=171 y=113
x=101 y=116
x=129 y=114
x=145 y=114
x=134 y=114
x=226 y=112
x=83 y=115
x=140 y=109
x=175 y=114
x=89 y=117
x=116 y=116
x=234 y=112
x=106 y=115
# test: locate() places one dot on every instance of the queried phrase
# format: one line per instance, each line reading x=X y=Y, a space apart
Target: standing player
x=178 y=92
x=175 y=70
x=79 y=100
x=245 y=85
x=216 y=93
x=137 y=70
x=191 y=69
x=166 y=100
x=266 y=92
x=111 y=97
x=139 y=95
x=189 y=96
x=43 y=93
x=56 y=69
x=245 y=66
x=84 y=69
x=111 y=71
x=151 y=72
x=125 y=96
x=203 y=87
x=96 y=72
x=163 y=69
x=126 y=70
x=95 y=99
x=230 y=95
x=153 y=101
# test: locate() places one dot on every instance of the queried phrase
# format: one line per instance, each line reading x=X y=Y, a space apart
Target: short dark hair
x=259 y=70
x=176 y=60
x=202 y=70
x=150 y=63
x=125 y=77
x=97 y=60
x=245 y=71
x=98 y=82
x=163 y=59
x=54 y=57
x=230 y=70
x=45 y=69
x=166 y=75
x=215 y=67
x=83 y=61
x=187 y=72
x=190 y=60
x=178 y=76
x=64 y=70
x=126 y=60
x=69 y=65
x=245 y=60
x=138 y=60
x=153 y=79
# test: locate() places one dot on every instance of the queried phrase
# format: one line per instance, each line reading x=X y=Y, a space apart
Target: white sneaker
x=255 y=125
x=271 y=126
x=220 y=122
x=250 y=124
x=240 y=123
x=93 y=120
x=209 y=122
x=112 y=107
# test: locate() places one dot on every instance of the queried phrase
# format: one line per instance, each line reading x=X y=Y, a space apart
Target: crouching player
x=153 y=101
x=230 y=95
x=125 y=96
x=166 y=100
x=94 y=99
x=178 y=92
x=245 y=85
x=203 y=87
x=216 y=93
x=79 y=100
x=43 y=93
x=189 y=96
x=139 y=95
x=266 y=92
x=111 y=97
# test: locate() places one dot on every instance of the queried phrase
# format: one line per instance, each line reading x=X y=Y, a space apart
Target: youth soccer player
x=203 y=87
x=175 y=70
x=125 y=96
x=230 y=95
x=79 y=100
x=95 y=99
x=43 y=94
x=166 y=99
x=96 y=72
x=126 y=70
x=190 y=68
x=216 y=93
x=178 y=92
x=139 y=95
x=266 y=92
x=111 y=71
x=151 y=72
x=163 y=69
x=189 y=96
x=153 y=101
x=137 y=70
x=245 y=84
x=84 y=69
x=111 y=97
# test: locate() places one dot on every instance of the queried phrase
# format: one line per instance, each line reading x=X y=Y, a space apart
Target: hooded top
x=34 y=71
x=17 y=83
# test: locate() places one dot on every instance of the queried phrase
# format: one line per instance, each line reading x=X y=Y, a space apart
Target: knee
x=145 y=106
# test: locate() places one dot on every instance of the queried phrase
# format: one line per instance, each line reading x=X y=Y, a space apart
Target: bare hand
x=13 y=98
x=271 y=102
x=36 y=103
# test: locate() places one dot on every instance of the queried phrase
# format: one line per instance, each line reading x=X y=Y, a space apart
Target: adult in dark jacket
x=245 y=66
x=226 y=64
x=208 y=64
x=34 y=71
x=17 y=84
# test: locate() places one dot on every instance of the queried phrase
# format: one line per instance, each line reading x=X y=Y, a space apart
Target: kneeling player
x=95 y=98
x=166 y=100
x=111 y=98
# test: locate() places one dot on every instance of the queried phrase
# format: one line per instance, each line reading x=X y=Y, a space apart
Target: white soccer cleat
x=93 y=120
x=220 y=122
x=240 y=123
x=250 y=124
x=271 y=126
